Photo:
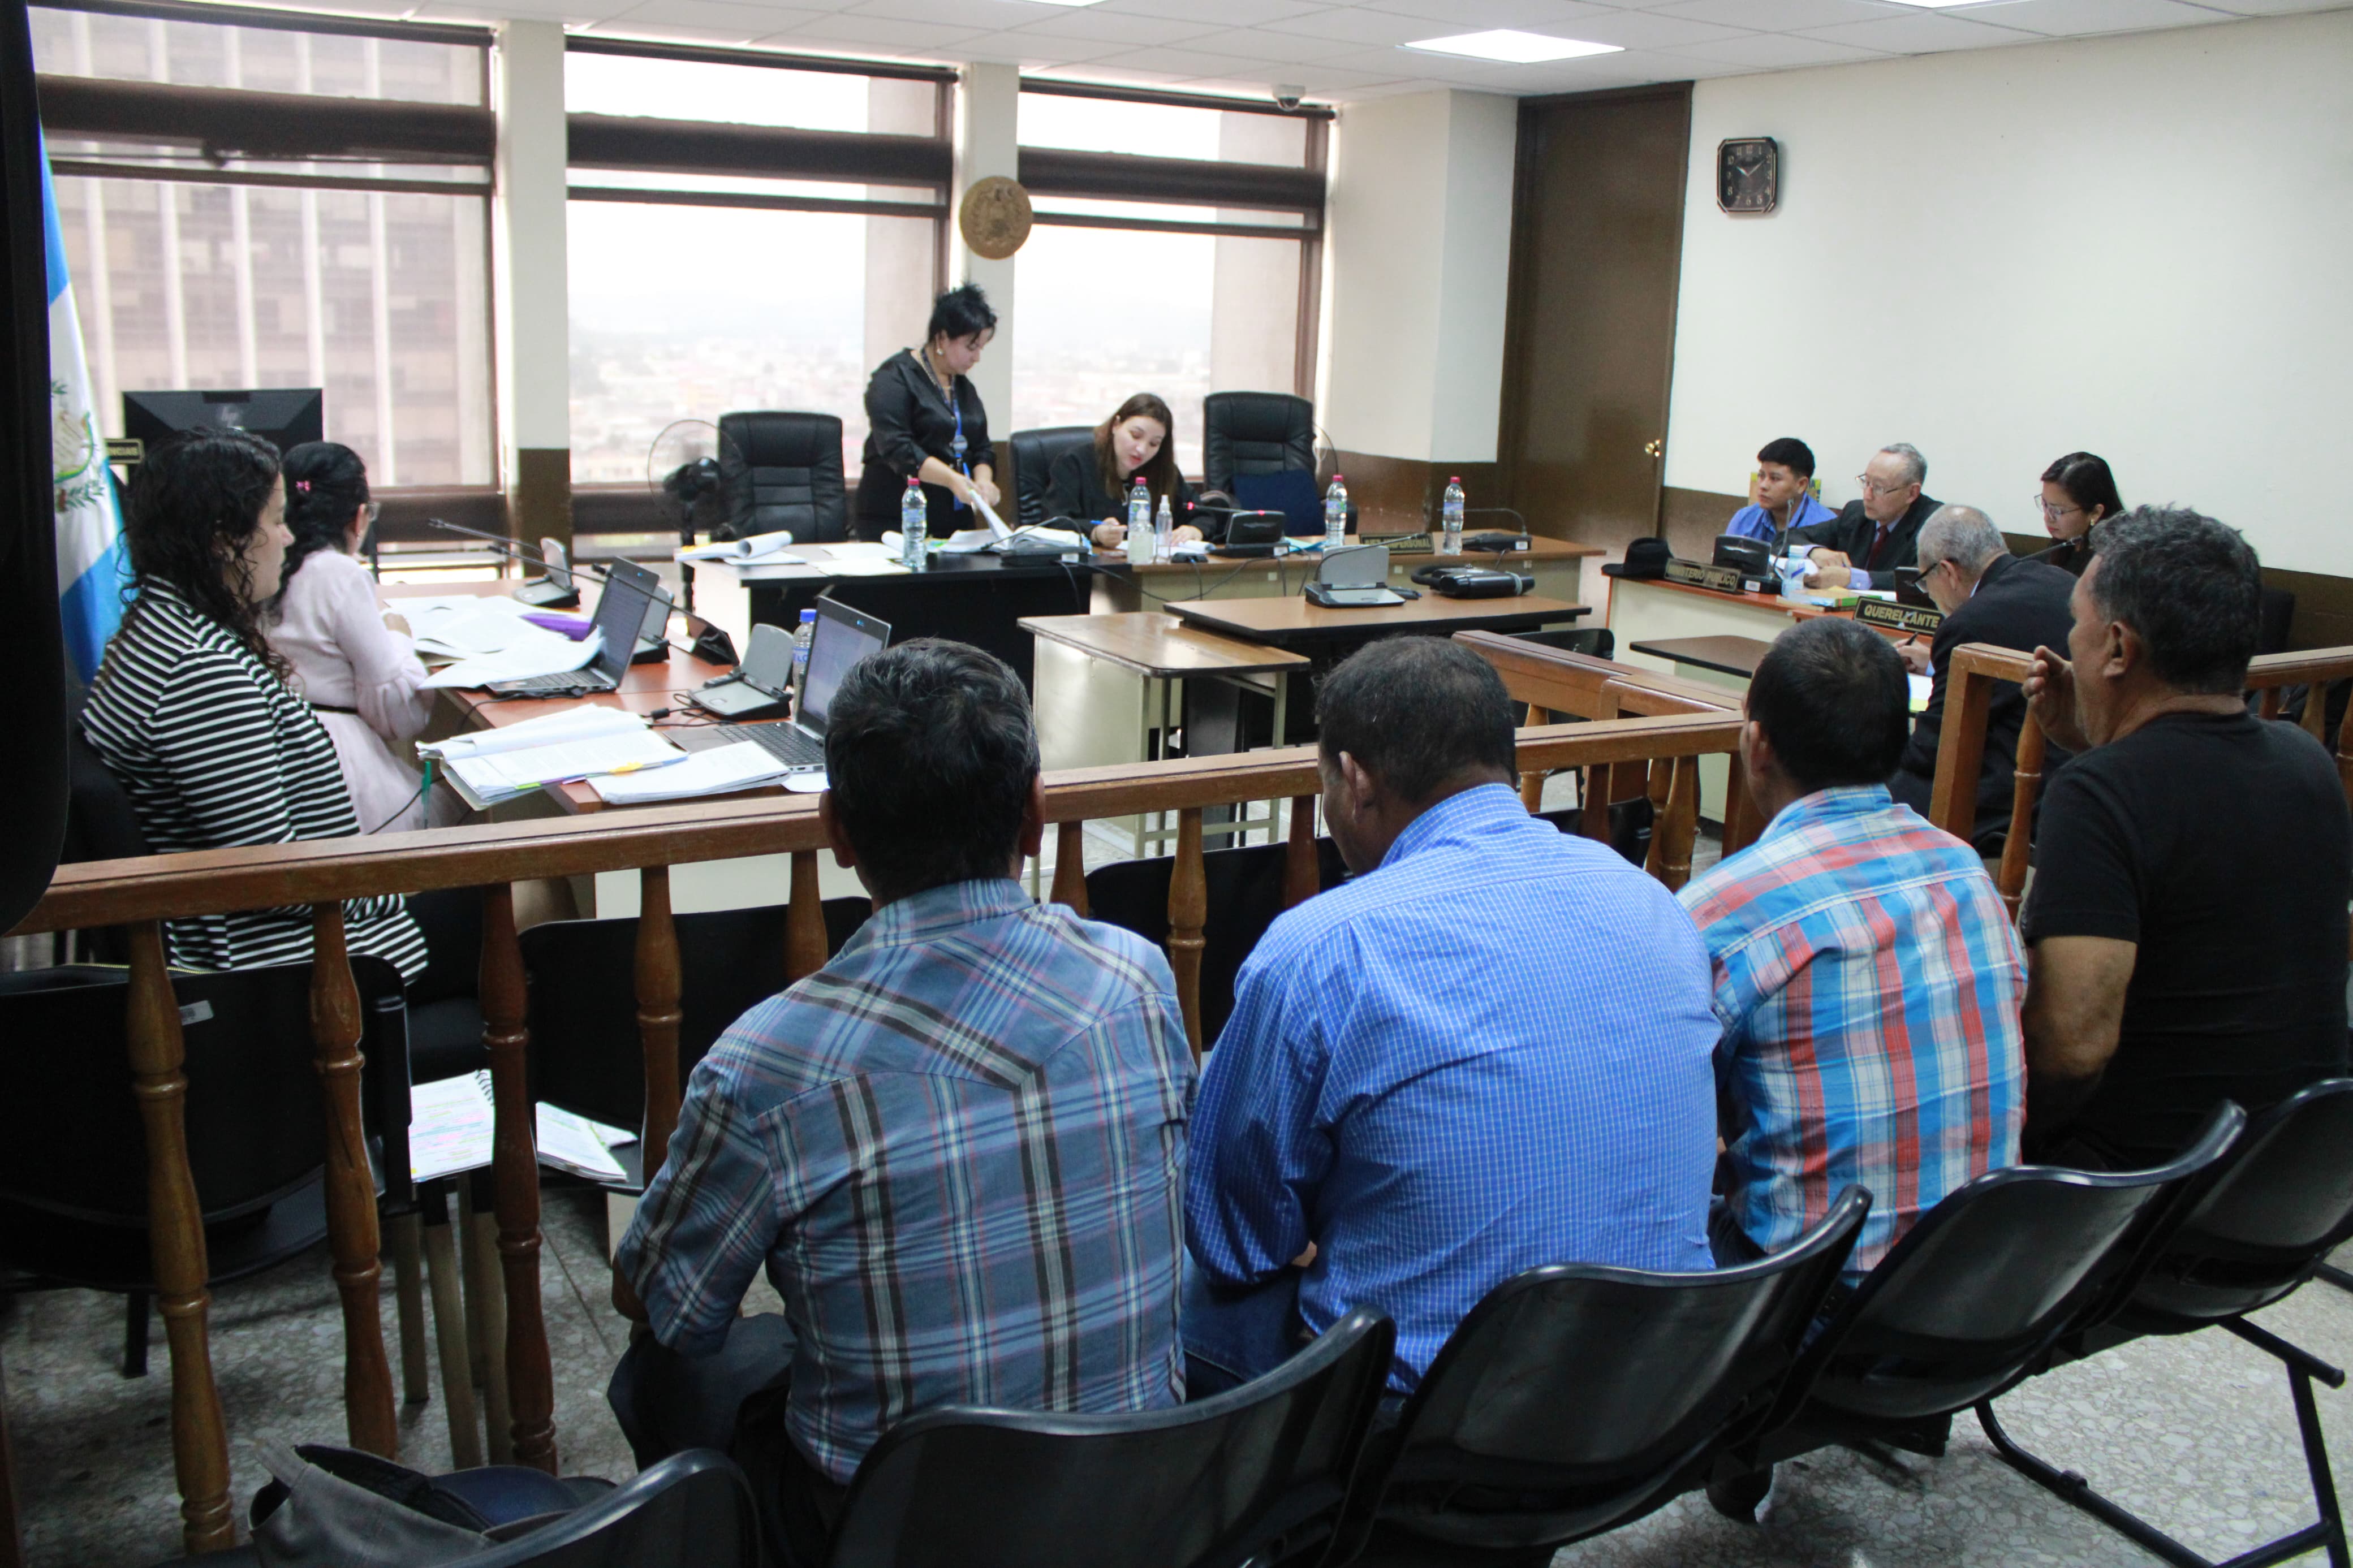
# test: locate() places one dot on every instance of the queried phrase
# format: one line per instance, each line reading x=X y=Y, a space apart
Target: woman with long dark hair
x=2079 y=493
x=191 y=711
x=1087 y=488
x=354 y=662
x=924 y=422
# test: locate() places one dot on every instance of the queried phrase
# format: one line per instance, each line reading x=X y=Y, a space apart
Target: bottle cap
x=808 y=615
x=1454 y=478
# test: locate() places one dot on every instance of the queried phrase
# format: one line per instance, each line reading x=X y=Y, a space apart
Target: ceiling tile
x=717 y=15
x=1777 y=51
x=1478 y=16
x=1224 y=13
x=885 y=32
x=1268 y=48
x=1925 y=34
x=2068 y=19
x=970 y=15
x=1781 y=16
x=1116 y=27
x=1653 y=30
x=1184 y=62
x=1355 y=25
x=2272 y=7
x=1031 y=49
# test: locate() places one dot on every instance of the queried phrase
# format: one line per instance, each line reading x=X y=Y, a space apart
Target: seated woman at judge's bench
x=353 y=660
x=191 y=711
x=2078 y=494
x=1087 y=488
x=1784 y=497
x=924 y=421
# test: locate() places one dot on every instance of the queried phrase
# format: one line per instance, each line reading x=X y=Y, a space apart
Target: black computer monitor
x=284 y=417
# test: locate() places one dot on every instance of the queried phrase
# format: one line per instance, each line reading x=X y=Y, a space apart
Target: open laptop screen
x=842 y=638
x=620 y=611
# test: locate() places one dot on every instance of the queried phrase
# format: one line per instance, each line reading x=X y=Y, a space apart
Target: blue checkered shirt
x=1870 y=985
x=960 y=1149
x=1489 y=1055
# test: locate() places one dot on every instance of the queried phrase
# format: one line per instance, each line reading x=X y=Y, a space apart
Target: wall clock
x=1748 y=175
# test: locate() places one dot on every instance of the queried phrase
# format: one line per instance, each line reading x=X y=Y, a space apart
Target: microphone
x=1492 y=543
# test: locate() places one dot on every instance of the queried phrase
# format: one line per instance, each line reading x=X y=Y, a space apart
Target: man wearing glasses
x=1871 y=537
x=1987 y=595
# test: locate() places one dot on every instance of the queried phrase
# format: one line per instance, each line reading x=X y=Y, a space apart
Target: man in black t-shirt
x=2188 y=922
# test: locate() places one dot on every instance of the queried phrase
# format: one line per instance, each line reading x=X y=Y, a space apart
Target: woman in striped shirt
x=191 y=711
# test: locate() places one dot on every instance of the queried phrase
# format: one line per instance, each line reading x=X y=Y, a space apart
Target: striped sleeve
x=212 y=725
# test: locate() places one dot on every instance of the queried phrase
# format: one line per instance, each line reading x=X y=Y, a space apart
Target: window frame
x=232 y=123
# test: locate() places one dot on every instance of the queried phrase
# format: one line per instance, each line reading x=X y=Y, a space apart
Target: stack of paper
x=452 y=1127
x=570 y=724
x=491 y=640
x=765 y=548
x=722 y=770
x=493 y=765
x=573 y=1143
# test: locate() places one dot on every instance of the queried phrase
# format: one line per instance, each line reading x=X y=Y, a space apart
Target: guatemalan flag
x=91 y=564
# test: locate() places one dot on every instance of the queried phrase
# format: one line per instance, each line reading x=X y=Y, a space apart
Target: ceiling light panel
x=1512 y=46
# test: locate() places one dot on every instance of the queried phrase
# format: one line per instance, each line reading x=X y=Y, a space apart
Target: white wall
x=2140 y=246
x=530 y=261
x=1419 y=260
x=988 y=142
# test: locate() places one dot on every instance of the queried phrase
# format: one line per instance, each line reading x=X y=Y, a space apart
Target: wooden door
x=1597 y=251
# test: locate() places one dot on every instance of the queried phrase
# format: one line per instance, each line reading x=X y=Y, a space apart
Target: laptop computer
x=621 y=612
x=842 y=638
x=761 y=685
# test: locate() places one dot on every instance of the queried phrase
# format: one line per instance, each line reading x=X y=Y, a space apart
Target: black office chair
x=2253 y=1230
x=99 y=825
x=73 y=1204
x=1577 y=1398
x=780 y=470
x=580 y=991
x=691 y=1511
x=1259 y=1475
x=1033 y=453
x=1254 y=433
x=1965 y=1305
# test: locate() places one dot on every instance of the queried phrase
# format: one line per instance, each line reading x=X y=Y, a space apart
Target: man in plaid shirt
x=1866 y=975
x=958 y=1148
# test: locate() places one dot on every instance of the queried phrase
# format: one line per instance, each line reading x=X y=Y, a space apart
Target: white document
x=765 y=548
x=857 y=549
x=450 y=1126
x=988 y=515
x=552 y=655
x=968 y=541
x=468 y=627
x=574 y=1143
x=721 y=770
x=864 y=566
x=570 y=724
x=1921 y=685
x=568 y=760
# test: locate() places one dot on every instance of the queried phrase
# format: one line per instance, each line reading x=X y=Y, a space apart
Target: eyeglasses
x=2055 y=512
x=1875 y=488
x=374 y=510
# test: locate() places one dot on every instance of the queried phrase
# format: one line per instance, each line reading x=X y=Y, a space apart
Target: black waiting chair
x=783 y=471
x=1254 y=433
x=694 y=1509
x=1033 y=453
x=99 y=825
x=2250 y=1233
x=580 y=992
x=1577 y=1398
x=1259 y=1475
x=73 y=1173
x=1970 y=1302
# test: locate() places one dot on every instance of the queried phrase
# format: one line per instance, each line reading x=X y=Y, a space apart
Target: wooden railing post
x=1189 y=913
x=804 y=920
x=1532 y=782
x=530 y=1383
x=176 y=1231
x=2024 y=787
x=1677 y=828
x=368 y=1416
x=1302 y=868
x=661 y=986
x=1593 y=803
x=1069 y=889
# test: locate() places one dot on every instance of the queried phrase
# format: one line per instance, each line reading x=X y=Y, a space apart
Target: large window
x=1153 y=276
x=743 y=234
x=277 y=206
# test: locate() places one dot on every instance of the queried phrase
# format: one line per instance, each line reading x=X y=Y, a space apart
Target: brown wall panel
x=1393 y=494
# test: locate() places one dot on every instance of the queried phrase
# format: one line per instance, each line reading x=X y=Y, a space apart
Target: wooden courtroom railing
x=1968 y=691
x=142 y=893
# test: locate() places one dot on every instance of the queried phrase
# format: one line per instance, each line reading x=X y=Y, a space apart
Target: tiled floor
x=2197 y=1433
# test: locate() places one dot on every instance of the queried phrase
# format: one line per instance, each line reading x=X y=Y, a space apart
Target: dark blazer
x=2070 y=555
x=1850 y=532
x=908 y=420
x=1074 y=490
x=2020 y=603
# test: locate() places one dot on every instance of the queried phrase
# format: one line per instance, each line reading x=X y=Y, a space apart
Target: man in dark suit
x=1870 y=538
x=1987 y=595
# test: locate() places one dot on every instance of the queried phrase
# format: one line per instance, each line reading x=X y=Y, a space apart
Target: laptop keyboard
x=563 y=681
x=786 y=744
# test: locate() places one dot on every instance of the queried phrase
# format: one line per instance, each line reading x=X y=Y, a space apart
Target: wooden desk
x=1107 y=685
x=1293 y=623
x=1556 y=564
x=1722 y=655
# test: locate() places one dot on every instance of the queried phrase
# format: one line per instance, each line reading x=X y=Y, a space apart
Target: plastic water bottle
x=1163 y=532
x=801 y=639
x=915 y=527
x=1335 y=515
x=1139 y=524
x=1449 y=513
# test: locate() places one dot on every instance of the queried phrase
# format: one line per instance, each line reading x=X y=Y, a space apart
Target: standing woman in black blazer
x=2078 y=494
x=924 y=421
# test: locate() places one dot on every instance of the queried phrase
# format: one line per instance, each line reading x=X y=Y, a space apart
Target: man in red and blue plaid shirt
x=1867 y=978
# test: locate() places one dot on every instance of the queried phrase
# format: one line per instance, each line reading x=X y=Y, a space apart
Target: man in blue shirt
x=1488 y=1052
x=1785 y=498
